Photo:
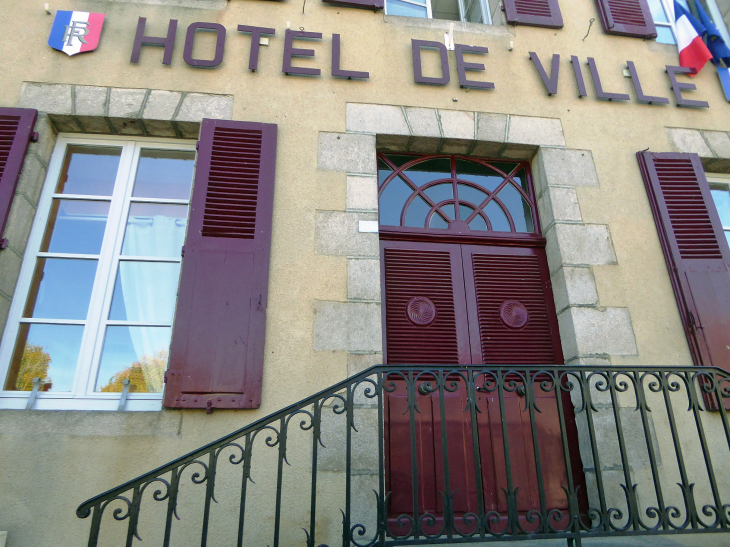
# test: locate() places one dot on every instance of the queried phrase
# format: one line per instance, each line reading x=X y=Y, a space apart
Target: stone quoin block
x=350 y=152
x=719 y=143
x=46 y=138
x=567 y=167
x=457 y=124
x=32 y=177
x=357 y=362
x=125 y=103
x=54 y=98
x=20 y=221
x=688 y=140
x=89 y=100
x=558 y=205
x=338 y=233
x=375 y=118
x=362 y=193
x=347 y=326
x=589 y=331
x=161 y=105
x=196 y=106
x=9 y=270
x=363 y=279
x=423 y=122
x=574 y=287
x=578 y=244
x=491 y=127
x=537 y=131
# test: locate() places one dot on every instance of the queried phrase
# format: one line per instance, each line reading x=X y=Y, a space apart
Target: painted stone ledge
x=337 y=233
x=347 y=326
x=125 y=111
x=713 y=147
x=590 y=331
x=430 y=131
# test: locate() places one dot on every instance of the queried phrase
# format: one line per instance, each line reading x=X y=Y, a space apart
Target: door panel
x=510 y=306
x=424 y=306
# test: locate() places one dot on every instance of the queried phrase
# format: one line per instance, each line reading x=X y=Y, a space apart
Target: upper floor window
x=467 y=11
x=720 y=189
x=461 y=194
x=96 y=293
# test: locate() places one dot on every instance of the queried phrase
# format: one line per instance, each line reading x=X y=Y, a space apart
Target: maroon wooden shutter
x=536 y=13
x=512 y=316
x=367 y=4
x=424 y=312
x=16 y=127
x=627 y=18
x=217 y=349
x=695 y=249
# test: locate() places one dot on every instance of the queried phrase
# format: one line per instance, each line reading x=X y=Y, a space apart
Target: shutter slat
x=537 y=13
x=16 y=126
x=217 y=349
x=627 y=18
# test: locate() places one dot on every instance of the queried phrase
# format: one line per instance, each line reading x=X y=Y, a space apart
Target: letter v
x=551 y=84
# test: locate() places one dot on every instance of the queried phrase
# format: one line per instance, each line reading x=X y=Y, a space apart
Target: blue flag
x=715 y=43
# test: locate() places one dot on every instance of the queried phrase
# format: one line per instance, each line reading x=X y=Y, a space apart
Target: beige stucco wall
x=54 y=460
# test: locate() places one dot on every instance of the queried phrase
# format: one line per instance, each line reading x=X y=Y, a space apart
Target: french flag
x=76 y=31
x=693 y=52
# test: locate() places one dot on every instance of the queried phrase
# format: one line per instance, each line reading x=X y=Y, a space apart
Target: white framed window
x=662 y=12
x=96 y=294
x=466 y=11
x=720 y=189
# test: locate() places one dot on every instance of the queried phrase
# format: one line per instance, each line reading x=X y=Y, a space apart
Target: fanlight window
x=455 y=193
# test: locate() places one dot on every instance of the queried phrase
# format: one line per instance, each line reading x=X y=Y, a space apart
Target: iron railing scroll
x=410 y=455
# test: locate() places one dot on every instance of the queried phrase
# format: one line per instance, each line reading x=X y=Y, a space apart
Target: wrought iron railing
x=496 y=452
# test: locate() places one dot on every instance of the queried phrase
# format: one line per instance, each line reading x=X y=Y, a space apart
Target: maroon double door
x=471 y=305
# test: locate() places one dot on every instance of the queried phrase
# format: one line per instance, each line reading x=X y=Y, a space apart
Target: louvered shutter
x=366 y=4
x=512 y=316
x=217 y=349
x=536 y=13
x=16 y=127
x=696 y=251
x=424 y=311
x=627 y=18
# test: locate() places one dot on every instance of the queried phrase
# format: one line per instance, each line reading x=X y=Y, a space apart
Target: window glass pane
x=396 y=7
x=468 y=194
x=478 y=224
x=89 y=170
x=75 y=226
x=474 y=11
x=657 y=11
x=664 y=35
x=518 y=209
x=61 y=289
x=437 y=221
x=49 y=352
x=440 y=192
x=445 y=9
x=383 y=172
x=449 y=211
x=164 y=174
x=145 y=291
x=497 y=217
x=392 y=199
x=479 y=174
x=727 y=236
x=155 y=229
x=465 y=211
x=138 y=354
x=416 y=213
x=721 y=197
x=429 y=170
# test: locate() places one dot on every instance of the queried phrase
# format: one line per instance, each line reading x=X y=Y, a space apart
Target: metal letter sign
x=76 y=31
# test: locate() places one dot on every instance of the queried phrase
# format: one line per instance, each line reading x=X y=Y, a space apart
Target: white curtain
x=150 y=288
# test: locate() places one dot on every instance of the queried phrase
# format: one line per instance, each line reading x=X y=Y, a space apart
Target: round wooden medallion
x=421 y=311
x=514 y=314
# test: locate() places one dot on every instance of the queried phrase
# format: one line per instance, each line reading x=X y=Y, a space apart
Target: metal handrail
x=651 y=403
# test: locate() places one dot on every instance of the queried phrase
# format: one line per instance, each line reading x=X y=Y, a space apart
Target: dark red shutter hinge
x=182 y=252
x=4 y=244
x=197 y=145
x=209 y=407
x=34 y=136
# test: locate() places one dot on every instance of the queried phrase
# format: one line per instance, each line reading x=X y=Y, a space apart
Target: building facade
x=228 y=206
